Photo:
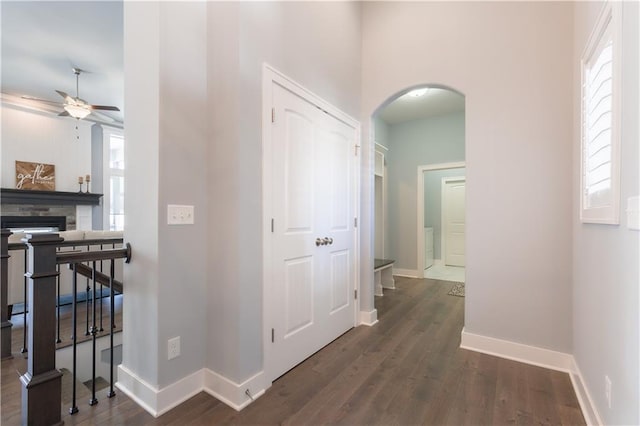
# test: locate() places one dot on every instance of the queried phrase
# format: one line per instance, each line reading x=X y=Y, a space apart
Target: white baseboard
x=589 y=410
x=409 y=273
x=158 y=401
x=517 y=352
x=231 y=393
x=540 y=357
x=368 y=317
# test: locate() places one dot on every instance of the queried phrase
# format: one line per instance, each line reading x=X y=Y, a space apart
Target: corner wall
x=606 y=320
x=167 y=141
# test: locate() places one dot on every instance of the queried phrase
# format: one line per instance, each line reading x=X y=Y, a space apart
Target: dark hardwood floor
x=407 y=369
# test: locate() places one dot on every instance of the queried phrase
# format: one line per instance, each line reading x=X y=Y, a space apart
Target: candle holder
x=80 y=181
x=87 y=180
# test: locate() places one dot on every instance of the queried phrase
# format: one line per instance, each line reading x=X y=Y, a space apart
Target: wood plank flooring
x=407 y=369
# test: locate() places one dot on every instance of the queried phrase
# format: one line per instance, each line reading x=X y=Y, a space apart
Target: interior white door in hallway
x=313 y=263
x=453 y=221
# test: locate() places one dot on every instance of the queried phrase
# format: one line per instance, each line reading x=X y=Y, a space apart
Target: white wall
x=606 y=321
x=166 y=157
x=45 y=138
x=432 y=140
x=316 y=44
x=518 y=146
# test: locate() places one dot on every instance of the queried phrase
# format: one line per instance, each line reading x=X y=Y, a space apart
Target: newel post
x=5 y=333
x=41 y=384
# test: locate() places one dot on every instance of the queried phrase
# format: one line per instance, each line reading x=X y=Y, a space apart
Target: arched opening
x=419 y=184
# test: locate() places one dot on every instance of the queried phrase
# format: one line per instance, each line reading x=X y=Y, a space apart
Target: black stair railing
x=41 y=384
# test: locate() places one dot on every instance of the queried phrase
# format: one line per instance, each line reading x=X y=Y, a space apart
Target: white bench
x=383 y=275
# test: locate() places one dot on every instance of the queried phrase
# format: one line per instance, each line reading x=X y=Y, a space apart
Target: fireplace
x=34 y=223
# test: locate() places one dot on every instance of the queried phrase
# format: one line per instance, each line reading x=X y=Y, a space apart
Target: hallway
x=407 y=369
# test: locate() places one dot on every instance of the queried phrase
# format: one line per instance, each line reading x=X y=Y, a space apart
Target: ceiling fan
x=75 y=107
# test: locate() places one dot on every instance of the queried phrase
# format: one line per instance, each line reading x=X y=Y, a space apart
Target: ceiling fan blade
x=105 y=107
x=64 y=95
x=31 y=98
x=64 y=114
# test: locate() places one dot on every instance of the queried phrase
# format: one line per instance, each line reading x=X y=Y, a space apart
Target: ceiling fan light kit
x=76 y=107
x=77 y=111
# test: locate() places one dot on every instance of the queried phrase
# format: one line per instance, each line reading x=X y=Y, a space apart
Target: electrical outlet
x=173 y=348
x=607 y=390
x=180 y=215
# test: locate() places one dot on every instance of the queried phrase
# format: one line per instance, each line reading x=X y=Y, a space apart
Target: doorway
x=421 y=126
x=432 y=212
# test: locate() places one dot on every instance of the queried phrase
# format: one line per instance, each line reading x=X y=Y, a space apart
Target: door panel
x=338 y=168
x=298 y=202
x=298 y=304
x=339 y=281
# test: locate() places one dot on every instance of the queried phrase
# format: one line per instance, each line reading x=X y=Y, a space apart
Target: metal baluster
x=94 y=332
x=112 y=322
x=58 y=340
x=86 y=333
x=74 y=325
x=24 y=314
x=101 y=296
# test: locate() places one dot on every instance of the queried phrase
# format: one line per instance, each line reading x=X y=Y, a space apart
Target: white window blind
x=600 y=180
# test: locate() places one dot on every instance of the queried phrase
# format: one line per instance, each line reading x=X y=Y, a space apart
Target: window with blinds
x=600 y=131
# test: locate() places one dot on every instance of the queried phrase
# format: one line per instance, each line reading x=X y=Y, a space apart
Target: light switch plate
x=180 y=215
x=633 y=213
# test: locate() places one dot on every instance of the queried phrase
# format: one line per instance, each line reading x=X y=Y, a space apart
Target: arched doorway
x=418 y=138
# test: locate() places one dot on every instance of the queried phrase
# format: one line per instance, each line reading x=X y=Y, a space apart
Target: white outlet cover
x=173 y=348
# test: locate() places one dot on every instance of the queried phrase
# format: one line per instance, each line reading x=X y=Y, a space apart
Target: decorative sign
x=35 y=176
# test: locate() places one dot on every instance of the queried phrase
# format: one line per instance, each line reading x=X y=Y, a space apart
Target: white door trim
x=420 y=198
x=269 y=76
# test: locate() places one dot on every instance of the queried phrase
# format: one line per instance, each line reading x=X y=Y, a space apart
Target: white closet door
x=453 y=216
x=313 y=199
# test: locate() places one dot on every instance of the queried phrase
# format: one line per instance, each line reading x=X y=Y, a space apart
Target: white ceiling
x=42 y=41
x=434 y=102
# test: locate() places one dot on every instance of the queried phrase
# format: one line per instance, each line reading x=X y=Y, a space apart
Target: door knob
x=320 y=242
x=328 y=241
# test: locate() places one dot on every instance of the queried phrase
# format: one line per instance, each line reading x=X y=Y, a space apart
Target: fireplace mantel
x=21 y=196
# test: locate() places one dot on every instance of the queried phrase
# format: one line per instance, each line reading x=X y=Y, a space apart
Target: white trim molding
x=368 y=318
x=559 y=361
x=235 y=395
x=517 y=351
x=589 y=410
x=158 y=401
x=154 y=400
x=409 y=273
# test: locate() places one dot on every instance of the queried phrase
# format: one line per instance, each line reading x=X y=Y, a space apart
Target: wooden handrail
x=101 y=278
x=73 y=243
x=89 y=256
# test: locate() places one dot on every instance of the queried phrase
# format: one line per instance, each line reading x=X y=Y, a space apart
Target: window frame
x=108 y=172
x=609 y=22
